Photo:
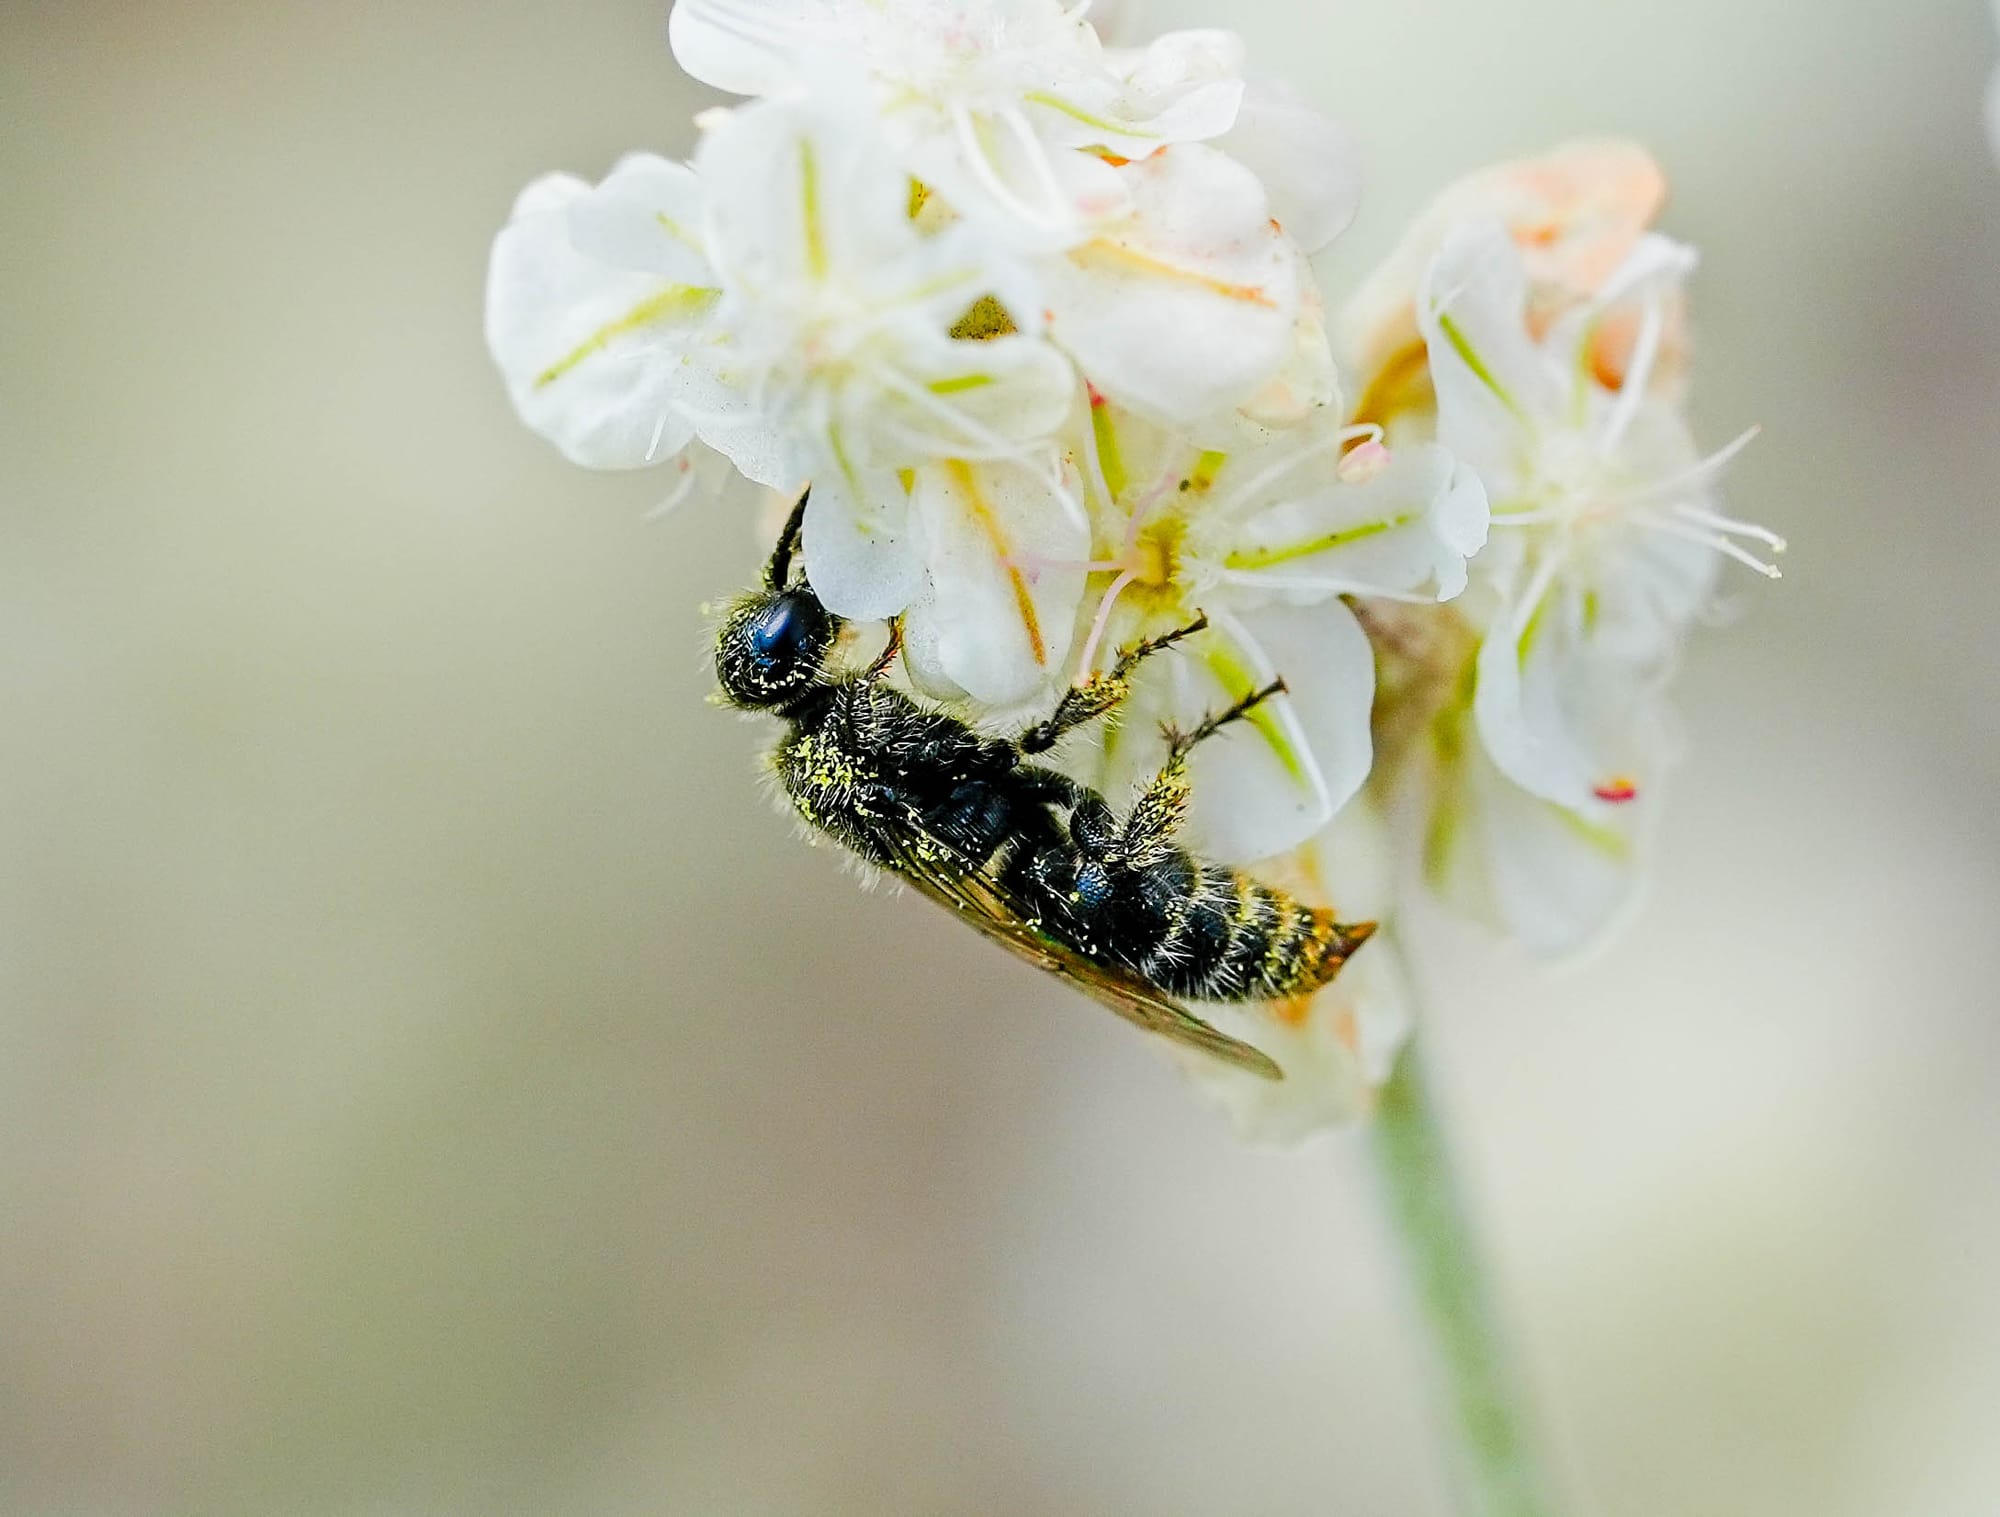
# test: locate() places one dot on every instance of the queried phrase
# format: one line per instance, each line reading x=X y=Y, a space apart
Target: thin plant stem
x=1474 y=1380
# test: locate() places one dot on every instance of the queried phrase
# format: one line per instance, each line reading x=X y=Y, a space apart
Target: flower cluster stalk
x=1474 y=1378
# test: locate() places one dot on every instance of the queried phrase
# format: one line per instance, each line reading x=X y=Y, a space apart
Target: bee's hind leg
x=1162 y=807
x=1097 y=694
x=1178 y=743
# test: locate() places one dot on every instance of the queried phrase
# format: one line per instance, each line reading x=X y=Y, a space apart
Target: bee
x=1031 y=858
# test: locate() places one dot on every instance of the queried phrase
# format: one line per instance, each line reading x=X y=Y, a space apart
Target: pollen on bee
x=1618 y=789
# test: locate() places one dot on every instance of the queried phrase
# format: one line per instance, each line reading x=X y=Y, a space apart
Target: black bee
x=1030 y=857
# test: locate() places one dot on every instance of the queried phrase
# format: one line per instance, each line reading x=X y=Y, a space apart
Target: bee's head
x=774 y=641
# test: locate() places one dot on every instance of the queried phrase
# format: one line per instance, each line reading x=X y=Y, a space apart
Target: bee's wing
x=932 y=867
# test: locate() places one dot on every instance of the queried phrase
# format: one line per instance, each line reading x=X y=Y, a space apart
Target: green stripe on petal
x=675 y=303
x=1109 y=459
x=1202 y=475
x=1267 y=558
x=1239 y=681
x=960 y=383
x=815 y=235
x=1462 y=345
x=1605 y=839
x=1078 y=113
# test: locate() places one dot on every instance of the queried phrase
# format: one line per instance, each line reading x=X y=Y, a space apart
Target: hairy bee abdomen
x=1233 y=939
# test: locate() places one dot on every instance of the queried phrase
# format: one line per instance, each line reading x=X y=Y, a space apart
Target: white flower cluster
x=1034 y=317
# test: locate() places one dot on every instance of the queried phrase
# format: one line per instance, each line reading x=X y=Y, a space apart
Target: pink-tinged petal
x=1186 y=308
x=1002 y=552
x=1575 y=213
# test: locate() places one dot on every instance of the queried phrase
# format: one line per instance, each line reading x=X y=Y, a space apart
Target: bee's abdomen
x=1228 y=938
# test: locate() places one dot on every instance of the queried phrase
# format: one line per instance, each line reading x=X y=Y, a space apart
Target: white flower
x=1607 y=541
x=1193 y=302
x=1003 y=578
x=836 y=324
x=1576 y=212
x=596 y=299
x=1556 y=879
x=1007 y=107
x=1264 y=541
x=1612 y=534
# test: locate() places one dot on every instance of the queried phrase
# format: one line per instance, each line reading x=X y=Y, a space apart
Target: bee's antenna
x=780 y=569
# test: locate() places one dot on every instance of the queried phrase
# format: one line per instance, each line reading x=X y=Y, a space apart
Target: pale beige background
x=436 y=1082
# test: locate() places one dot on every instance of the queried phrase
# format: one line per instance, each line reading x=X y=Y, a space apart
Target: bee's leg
x=1178 y=743
x=1091 y=825
x=1098 y=693
x=1157 y=815
x=887 y=656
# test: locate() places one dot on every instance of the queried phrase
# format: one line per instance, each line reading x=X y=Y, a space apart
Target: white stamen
x=676 y=496
x=659 y=431
x=1319 y=584
x=1638 y=374
x=988 y=176
x=1038 y=159
x=1730 y=525
x=1675 y=526
x=1696 y=474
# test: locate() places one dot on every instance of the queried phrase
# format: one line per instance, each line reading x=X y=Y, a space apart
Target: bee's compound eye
x=790 y=628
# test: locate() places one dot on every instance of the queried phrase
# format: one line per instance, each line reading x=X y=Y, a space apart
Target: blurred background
x=434 y=1081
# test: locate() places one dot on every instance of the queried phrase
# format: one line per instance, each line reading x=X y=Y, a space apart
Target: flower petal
x=799 y=192
x=744 y=48
x=646 y=216
x=1003 y=553
x=1267 y=784
x=1184 y=86
x=1557 y=879
x=1309 y=163
x=1410 y=526
x=593 y=356
x=1574 y=212
x=861 y=549
x=1187 y=307
x=1495 y=388
x=973 y=399
x=1563 y=715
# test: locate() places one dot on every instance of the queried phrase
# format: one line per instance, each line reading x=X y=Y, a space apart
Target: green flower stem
x=1473 y=1375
